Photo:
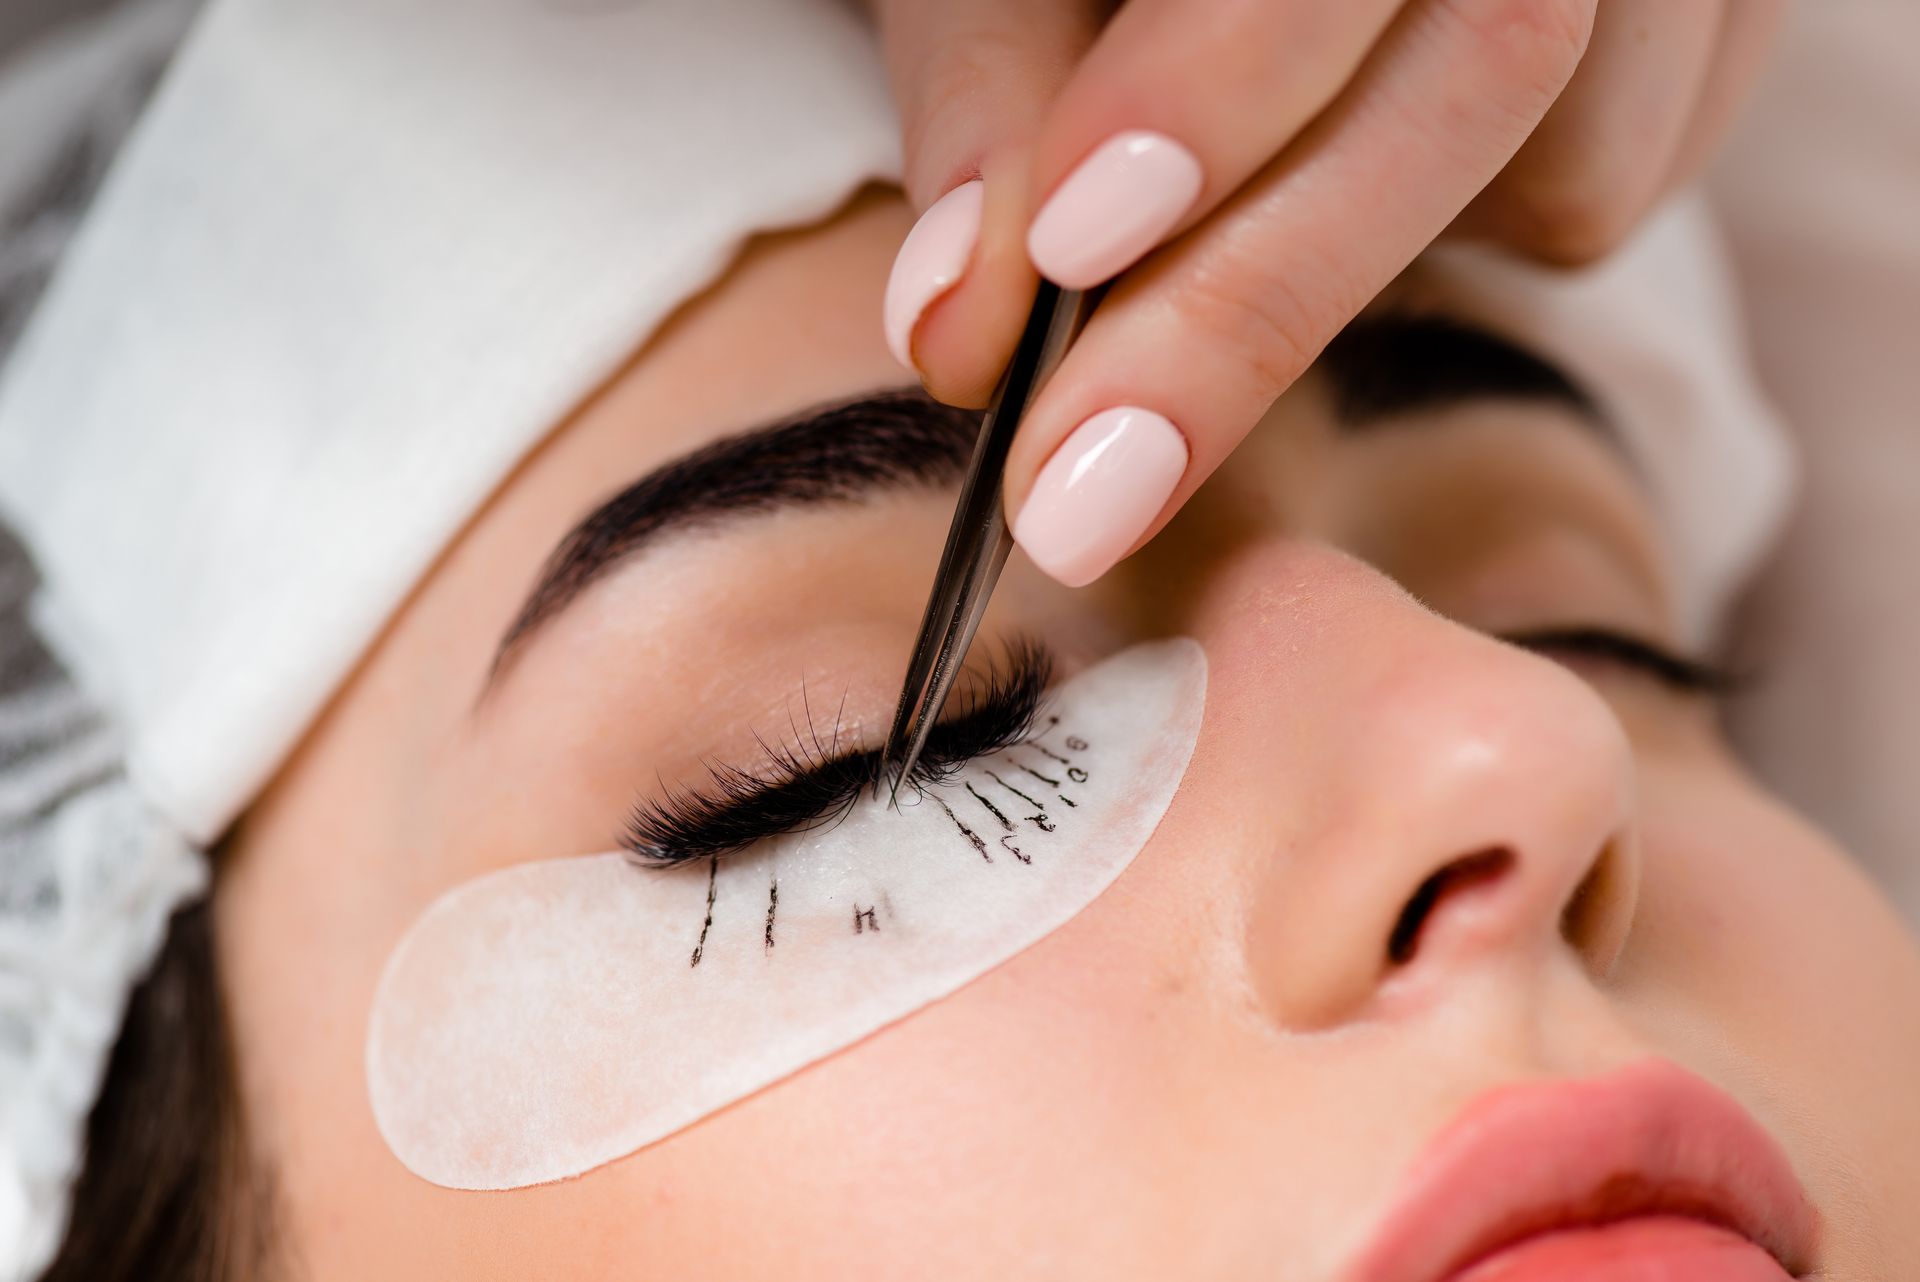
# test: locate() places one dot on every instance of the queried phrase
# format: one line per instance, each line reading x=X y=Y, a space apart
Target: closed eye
x=1678 y=672
x=806 y=785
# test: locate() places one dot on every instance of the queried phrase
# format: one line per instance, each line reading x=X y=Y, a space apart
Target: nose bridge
x=1485 y=747
x=1429 y=800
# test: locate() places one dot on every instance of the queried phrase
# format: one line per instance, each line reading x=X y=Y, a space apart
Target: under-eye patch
x=546 y=1019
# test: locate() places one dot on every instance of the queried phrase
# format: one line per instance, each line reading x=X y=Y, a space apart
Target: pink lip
x=1611 y=1155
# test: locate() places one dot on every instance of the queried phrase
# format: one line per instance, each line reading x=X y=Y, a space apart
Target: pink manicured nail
x=931 y=261
x=1120 y=202
x=1099 y=492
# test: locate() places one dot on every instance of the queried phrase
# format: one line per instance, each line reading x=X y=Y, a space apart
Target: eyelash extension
x=1679 y=672
x=807 y=786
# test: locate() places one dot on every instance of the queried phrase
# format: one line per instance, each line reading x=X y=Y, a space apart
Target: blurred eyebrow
x=837 y=453
x=1388 y=365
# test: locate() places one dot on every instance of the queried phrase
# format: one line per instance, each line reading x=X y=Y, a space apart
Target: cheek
x=1755 y=918
x=1763 y=958
x=552 y=1017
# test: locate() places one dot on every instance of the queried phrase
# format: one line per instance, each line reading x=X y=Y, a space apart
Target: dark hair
x=167 y=1192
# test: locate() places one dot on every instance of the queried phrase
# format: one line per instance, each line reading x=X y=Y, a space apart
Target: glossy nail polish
x=1119 y=203
x=1099 y=492
x=931 y=262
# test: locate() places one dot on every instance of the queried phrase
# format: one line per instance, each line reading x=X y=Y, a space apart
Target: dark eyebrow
x=830 y=454
x=1382 y=367
x=1390 y=364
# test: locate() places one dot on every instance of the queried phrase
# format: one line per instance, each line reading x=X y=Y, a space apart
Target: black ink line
x=1006 y=844
x=1076 y=744
x=713 y=888
x=1076 y=774
x=773 y=901
x=1015 y=791
x=1004 y=821
x=973 y=838
x=1054 y=783
x=1041 y=822
x=1041 y=747
x=864 y=920
x=1070 y=801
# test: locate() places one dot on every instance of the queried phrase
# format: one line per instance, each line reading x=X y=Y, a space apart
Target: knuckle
x=1570 y=222
x=1530 y=44
x=946 y=93
x=1267 y=319
x=964 y=97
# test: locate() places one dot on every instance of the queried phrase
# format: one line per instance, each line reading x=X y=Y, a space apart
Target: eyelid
x=1682 y=673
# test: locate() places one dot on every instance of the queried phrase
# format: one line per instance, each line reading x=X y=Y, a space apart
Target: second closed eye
x=1681 y=673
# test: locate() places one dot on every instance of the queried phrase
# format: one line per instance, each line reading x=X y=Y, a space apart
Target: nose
x=1418 y=801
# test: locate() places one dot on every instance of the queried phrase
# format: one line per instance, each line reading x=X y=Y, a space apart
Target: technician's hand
x=1258 y=170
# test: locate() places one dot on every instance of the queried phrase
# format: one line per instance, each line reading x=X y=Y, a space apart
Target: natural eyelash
x=1677 y=671
x=807 y=785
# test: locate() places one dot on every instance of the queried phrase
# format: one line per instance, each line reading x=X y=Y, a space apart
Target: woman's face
x=1409 y=863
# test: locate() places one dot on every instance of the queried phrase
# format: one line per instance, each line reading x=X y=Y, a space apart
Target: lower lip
x=1660 y=1248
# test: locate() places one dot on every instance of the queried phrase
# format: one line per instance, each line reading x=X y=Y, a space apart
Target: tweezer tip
x=886 y=779
x=894 y=773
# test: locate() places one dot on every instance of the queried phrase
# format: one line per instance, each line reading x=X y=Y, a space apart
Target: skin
x=1213 y=1071
x=1336 y=139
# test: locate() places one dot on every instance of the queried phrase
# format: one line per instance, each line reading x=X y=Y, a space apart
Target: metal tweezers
x=978 y=541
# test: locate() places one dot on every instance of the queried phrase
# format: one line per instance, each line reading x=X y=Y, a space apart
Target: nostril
x=1593 y=920
x=1462 y=874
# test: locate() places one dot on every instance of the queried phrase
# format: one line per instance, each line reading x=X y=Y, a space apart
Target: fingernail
x=1099 y=492
x=1120 y=202
x=931 y=261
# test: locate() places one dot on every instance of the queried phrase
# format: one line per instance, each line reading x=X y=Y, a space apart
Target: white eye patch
x=546 y=1019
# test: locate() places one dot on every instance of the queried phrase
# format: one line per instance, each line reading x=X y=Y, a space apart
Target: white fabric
x=67 y=99
x=72 y=73
x=88 y=879
x=361 y=255
x=1654 y=331
x=109 y=877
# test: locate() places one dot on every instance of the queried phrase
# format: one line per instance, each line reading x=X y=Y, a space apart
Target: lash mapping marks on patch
x=546 y=1019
